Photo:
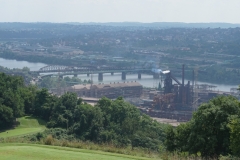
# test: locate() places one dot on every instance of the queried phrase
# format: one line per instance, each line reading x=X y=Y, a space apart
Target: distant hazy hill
x=166 y=24
x=43 y=25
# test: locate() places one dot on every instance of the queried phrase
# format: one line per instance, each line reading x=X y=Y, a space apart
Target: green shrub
x=39 y=136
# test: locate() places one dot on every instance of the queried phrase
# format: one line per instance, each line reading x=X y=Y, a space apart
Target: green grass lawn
x=27 y=125
x=11 y=151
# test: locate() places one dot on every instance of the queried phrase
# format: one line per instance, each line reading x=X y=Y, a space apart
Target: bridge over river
x=55 y=70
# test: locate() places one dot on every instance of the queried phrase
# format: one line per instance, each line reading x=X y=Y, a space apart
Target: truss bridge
x=56 y=70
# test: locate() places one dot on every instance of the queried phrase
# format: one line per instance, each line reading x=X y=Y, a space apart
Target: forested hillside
x=213 y=130
x=115 y=121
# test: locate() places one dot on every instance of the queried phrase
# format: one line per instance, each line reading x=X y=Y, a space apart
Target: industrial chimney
x=183 y=75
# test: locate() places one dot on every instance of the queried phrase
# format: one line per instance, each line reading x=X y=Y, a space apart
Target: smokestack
x=183 y=75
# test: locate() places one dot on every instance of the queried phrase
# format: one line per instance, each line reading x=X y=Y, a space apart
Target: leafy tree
x=26 y=69
x=69 y=100
x=170 y=139
x=88 y=122
x=28 y=94
x=6 y=116
x=129 y=125
x=11 y=99
x=234 y=126
x=208 y=131
x=43 y=104
x=47 y=82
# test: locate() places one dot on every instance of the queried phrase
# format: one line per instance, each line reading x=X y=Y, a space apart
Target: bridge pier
x=123 y=75
x=100 y=76
x=75 y=75
x=139 y=75
x=88 y=74
x=156 y=76
x=112 y=73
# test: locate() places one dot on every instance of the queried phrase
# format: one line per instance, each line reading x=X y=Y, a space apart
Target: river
x=146 y=81
x=20 y=64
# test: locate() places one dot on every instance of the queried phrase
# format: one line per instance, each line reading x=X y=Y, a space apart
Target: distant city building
x=113 y=90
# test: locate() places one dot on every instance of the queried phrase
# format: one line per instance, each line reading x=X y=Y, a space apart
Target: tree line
x=110 y=121
x=54 y=82
x=212 y=131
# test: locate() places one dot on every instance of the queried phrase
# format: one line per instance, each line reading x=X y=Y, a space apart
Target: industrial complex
x=112 y=90
x=175 y=100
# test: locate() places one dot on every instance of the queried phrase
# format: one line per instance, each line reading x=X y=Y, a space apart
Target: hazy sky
x=120 y=11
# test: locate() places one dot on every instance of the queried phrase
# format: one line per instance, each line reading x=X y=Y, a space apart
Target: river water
x=146 y=81
x=20 y=64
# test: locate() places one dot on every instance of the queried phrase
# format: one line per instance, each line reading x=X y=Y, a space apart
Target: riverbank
x=146 y=81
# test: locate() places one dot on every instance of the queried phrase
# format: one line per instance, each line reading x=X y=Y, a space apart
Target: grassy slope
x=37 y=152
x=27 y=125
